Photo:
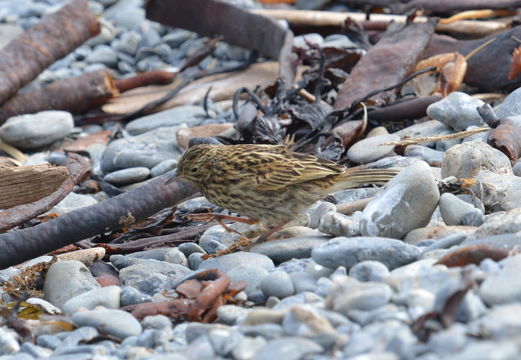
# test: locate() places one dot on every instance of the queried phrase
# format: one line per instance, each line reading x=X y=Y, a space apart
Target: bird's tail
x=353 y=178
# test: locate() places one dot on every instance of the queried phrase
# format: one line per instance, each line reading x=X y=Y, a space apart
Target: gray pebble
x=128 y=43
x=163 y=167
x=288 y=348
x=424 y=129
x=458 y=110
x=66 y=279
x=455 y=211
x=505 y=286
x=511 y=105
x=466 y=160
x=317 y=211
x=108 y=297
x=190 y=247
x=127 y=176
x=248 y=347
x=128 y=14
x=350 y=251
x=73 y=202
x=278 y=284
x=33 y=131
x=290 y=248
x=174 y=117
x=131 y=296
x=175 y=256
x=430 y=156
x=195 y=260
x=370 y=149
x=369 y=271
x=147 y=150
x=8 y=343
x=350 y=294
x=337 y=224
x=117 y=323
x=303 y=281
x=103 y=54
x=499 y=192
x=406 y=202
x=152 y=276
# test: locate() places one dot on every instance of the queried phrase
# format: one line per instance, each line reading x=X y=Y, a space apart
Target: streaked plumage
x=269 y=183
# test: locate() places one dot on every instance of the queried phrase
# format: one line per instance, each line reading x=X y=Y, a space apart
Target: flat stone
x=174 y=117
x=455 y=211
x=370 y=149
x=505 y=286
x=291 y=248
x=127 y=176
x=348 y=252
x=32 y=131
x=117 y=323
x=288 y=348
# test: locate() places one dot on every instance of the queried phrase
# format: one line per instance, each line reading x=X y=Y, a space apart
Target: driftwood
x=25 y=184
x=77 y=95
x=55 y=36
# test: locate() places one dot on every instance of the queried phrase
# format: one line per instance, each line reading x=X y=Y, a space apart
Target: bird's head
x=193 y=164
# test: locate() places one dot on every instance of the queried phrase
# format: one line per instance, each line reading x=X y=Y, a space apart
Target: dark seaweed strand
x=120 y=211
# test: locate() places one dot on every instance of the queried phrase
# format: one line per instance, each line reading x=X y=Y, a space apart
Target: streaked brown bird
x=269 y=184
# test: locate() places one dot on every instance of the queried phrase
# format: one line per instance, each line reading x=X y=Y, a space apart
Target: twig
x=419 y=140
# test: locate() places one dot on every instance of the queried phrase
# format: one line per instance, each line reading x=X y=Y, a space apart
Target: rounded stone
x=32 y=131
x=369 y=271
x=466 y=160
x=127 y=176
x=455 y=211
x=278 y=284
x=348 y=252
x=117 y=323
x=458 y=110
x=407 y=202
x=67 y=279
x=370 y=149
x=108 y=297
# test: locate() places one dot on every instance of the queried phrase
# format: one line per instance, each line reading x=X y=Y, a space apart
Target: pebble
x=174 y=117
x=33 y=131
x=430 y=156
x=370 y=149
x=458 y=110
x=147 y=150
x=337 y=224
x=424 y=129
x=369 y=271
x=127 y=176
x=349 y=294
x=163 y=167
x=8 y=343
x=278 y=284
x=72 y=202
x=103 y=54
x=500 y=192
x=466 y=160
x=406 y=202
x=455 y=211
x=291 y=248
x=511 y=105
x=152 y=276
x=504 y=286
x=108 y=297
x=117 y=323
x=67 y=279
x=288 y=348
x=348 y=252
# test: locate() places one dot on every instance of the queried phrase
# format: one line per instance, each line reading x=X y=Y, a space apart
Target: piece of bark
x=77 y=166
x=332 y=19
x=55 y=36
x=489 y=67
x=387 y=63
x=77 y=95
x=506 y=137
x=213 y=17
x=144 y=79
x=26 y=184
x=223 y=87
x=409 y=109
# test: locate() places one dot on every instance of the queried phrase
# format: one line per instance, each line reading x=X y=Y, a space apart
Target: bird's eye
x=193 y=170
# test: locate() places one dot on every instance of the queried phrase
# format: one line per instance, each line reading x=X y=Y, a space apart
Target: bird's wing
x=276 y=171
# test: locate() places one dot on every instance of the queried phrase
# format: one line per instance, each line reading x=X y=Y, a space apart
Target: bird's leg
x=219 y=218
x=273 y=230
x=243 y=240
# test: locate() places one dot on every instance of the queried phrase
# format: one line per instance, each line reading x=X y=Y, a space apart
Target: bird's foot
x=242 y=242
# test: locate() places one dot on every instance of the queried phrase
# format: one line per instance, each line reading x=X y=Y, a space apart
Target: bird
x=269 y=184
